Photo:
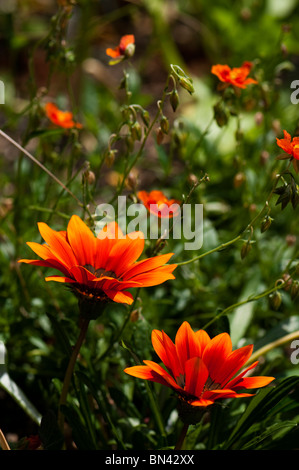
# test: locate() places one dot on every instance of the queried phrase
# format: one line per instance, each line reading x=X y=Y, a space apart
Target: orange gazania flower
x=99 y=268
x=61 y=118
x=158 y=204
x=125 y=49
x=289 y=145
x=199 y=369
x=236 y=76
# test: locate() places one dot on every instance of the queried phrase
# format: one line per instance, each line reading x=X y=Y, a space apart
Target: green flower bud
x=275 y=300
x=164 y=124
x=129 y=51
x=245 y=249
x=294 y=290
x=136 y=131
x=174 y=99
x=266 y=222
x=145 y=117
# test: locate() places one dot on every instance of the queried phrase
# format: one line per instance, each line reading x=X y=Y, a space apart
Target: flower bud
x=90 y=177
x=294 y=290
x=174 y=99
x=193 y=179
x=160 y=136
x=145 y=117
x=239 y=179
x=266 y=222
x=245 y=249
x=110 y=157
x=129 y=51
x=275 y=300
x=164 y=125
x=136 y=131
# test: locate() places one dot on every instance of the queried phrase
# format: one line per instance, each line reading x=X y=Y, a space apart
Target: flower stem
x=3 y=442
x=274 y=344
x=181 y=438
x=234 y=240
x=70 y=369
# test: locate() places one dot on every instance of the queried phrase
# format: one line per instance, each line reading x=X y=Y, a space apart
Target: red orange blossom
x=158 y=204
x=199 y=369
x=61 y=118
x=290 y=147
x=236 y=76
x=125 y=49
x=99 y=268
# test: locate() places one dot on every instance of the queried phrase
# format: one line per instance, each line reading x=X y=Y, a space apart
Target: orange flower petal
x=147 y=265
x=186 y=343
x=82 y=241
x=216 y=353
x=167 y=352
x=58 y=245
x=196 y=376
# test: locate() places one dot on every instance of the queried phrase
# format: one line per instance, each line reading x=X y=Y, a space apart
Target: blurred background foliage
x=55 y=51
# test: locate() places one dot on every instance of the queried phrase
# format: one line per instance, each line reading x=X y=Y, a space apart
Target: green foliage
x=162 y=121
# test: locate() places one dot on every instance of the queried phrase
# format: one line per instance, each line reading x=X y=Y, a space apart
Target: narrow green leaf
x=262 y=404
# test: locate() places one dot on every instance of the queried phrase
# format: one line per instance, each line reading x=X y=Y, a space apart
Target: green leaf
x=14 y=390
x=49 y=432
x=261 y=405
x=79 y=433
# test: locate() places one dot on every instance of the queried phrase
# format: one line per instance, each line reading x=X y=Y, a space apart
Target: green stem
x=19 y=147
x=70 y=369
x=274 y=344
x=234 y=240
x=147 y=133
x=155 y=410
x=250 y=299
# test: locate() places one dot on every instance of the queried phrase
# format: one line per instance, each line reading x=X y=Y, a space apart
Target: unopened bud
x=164 y=124
x=110 y=157
x=264 y=157
x=136 y=131
x=193 y=179
x=160 y=136
x=132 y=180
x=266 y=222
x=90 y=177
x=276 y=127
x=245 y=249
x=294 y=290
x=145 y=117
x=129 y=51
x=174 y=99
x=134 y=316
x=187 y=84
x=239 y=179
x=275 y=300
x=259 y=118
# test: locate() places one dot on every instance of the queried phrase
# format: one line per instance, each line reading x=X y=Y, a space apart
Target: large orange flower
x=125 y=49
x=199 y=369
x=289 y=145
x=61 y=118
x=158 y=204
x=99 y=268
x=236 y=76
